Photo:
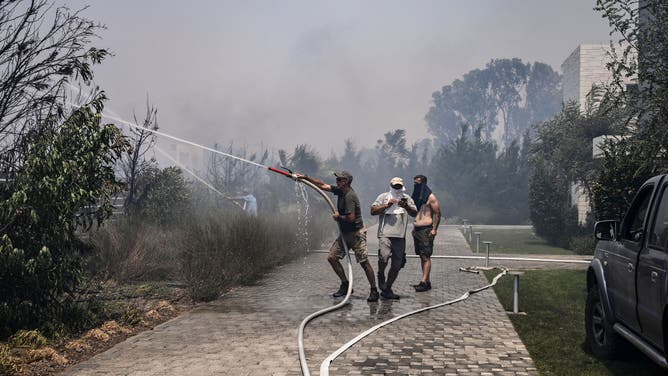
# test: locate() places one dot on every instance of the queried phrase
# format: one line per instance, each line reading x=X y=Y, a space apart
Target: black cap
x=344 y=174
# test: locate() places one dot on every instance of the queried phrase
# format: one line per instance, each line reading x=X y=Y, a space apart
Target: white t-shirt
x=393 y=223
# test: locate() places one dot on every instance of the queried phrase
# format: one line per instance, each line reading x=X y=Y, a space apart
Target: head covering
x=396 y=180
x=344 y=174
x=421 y=194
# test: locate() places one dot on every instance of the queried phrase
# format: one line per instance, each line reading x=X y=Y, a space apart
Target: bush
x=131 y=250
x=223 y=251
x=583 y=245
x=31 y=339
x=9 y=364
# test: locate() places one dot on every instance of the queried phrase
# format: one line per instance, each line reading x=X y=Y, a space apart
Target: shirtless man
x=425 y=227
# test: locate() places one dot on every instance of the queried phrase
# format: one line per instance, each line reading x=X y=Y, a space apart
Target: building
x=584 y=69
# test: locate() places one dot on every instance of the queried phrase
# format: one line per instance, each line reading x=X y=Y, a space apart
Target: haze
x=283 y=73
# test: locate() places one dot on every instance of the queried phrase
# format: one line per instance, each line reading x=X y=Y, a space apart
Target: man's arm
x=317 y=182
x=409 y=205
x=435 y=213
x=378 y=207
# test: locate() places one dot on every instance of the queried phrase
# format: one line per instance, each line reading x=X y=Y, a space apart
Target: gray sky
x=282 y=73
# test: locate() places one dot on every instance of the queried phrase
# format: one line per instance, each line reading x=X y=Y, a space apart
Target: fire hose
x=302 y=326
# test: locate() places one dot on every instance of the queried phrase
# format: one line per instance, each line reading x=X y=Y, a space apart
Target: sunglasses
x=397 y=186
x=341 y=179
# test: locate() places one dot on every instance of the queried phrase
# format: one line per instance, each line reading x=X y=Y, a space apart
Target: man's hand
x=433 y=233
x=403 y=203
x=391 y=202
x=336 y=216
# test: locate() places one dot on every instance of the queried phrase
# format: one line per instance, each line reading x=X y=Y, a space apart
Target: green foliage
x=132 y=250
x=162 y=195
x=640 y=152
x=553 y=328
x=31 y=339
x=583 y=245
x=66 y=184
x=561 y=156
x=219 y=252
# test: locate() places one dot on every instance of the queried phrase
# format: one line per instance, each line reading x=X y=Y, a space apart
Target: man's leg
x=384 y=254
x=426 y=268
x=398 y=249
x=338 y=268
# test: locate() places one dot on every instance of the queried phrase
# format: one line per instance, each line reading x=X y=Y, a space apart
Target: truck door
x=623 y=257
x=652 y=272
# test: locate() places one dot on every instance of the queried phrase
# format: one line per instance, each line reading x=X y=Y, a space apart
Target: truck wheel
x=602 y=339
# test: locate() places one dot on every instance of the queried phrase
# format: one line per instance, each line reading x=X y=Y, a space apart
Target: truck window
x=633 y=223
x=659 y=235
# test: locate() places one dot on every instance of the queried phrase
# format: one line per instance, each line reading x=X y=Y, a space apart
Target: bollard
x=487 y=244
x=516 y=291
x=477 y=242
x=470 y=234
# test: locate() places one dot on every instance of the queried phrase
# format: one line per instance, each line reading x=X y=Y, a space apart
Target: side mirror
x=606 y=230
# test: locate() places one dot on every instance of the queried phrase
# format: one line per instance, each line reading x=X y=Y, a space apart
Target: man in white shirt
x=393 y=208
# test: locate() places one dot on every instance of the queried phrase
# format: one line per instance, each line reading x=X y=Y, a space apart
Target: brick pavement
x=252 y=330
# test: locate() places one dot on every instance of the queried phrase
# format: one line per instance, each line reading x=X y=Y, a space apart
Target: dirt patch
x=143 y=307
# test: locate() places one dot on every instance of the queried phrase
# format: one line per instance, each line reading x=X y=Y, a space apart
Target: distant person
x=349 y=218
x=425 y=227
x=249 y=203
x=393 y=208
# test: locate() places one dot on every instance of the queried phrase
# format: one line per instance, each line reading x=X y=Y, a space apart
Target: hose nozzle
x=284 y=171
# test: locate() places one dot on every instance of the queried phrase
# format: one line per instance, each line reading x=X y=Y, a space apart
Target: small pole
x=470 y=234
x=477 y=242
x=487 y=244
x=516 y=294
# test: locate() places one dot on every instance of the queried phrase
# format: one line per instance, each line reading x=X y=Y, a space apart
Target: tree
x=41 y=51
x=162 y=195
x=561 y=156
x=135 y=163
x=508 y=90
x=639 y=152
x=66 y=183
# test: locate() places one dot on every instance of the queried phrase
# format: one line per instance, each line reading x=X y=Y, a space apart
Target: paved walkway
x=252 y=330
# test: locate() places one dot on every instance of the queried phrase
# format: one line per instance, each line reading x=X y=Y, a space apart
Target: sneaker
x=373 y=296
x=381 y=281
x=389 y=294
x=343 y=290
x=423 y=286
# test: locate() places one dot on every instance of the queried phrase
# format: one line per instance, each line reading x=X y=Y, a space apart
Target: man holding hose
x=349 y=218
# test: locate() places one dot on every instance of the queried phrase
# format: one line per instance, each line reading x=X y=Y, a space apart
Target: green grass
x=553 y=329
x=519 y=241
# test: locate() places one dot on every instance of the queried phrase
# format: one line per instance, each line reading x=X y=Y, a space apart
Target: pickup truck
x=627 y=281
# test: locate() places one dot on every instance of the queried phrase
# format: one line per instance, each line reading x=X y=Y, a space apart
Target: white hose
x=302 y=326
x=324 y=366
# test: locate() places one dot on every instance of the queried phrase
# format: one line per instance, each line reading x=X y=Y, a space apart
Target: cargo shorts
x=356 y=241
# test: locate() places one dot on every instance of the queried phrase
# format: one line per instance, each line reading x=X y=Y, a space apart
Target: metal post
x=470 y=234
x=477 y=242
x=487 y=244
x=516 y=294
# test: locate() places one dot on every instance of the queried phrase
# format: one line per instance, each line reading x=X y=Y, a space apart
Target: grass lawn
x=553 y=329
x=520 y=241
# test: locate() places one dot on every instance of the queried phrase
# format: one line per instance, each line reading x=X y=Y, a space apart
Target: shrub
x=31 y=339
x=131 y=250
x=9 y=364
x=583 y=245
x=219 y=252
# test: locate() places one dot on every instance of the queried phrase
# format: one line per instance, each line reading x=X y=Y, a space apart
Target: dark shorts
x=424 y=242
